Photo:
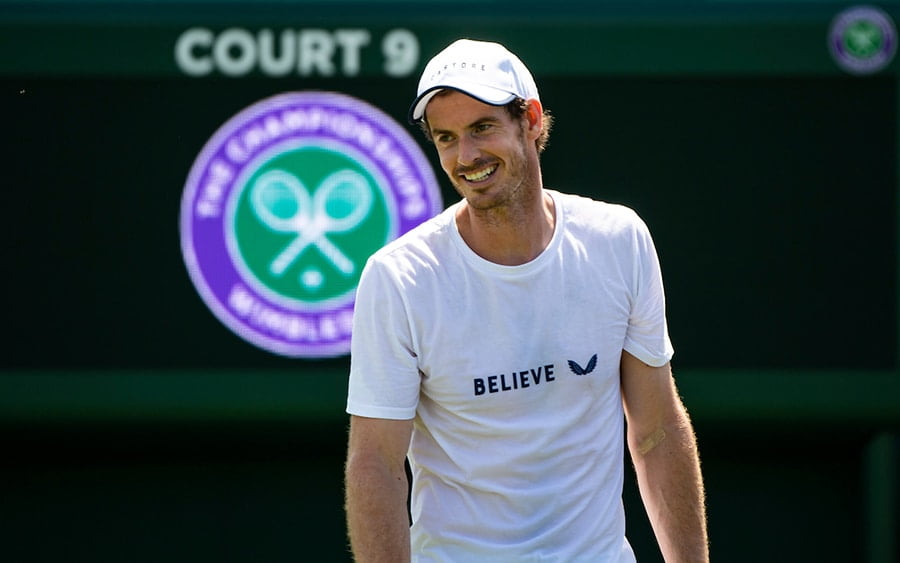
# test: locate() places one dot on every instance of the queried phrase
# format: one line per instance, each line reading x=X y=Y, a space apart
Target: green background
x=138 y=428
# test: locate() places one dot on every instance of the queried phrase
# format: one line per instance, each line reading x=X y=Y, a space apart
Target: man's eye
x=482 y=127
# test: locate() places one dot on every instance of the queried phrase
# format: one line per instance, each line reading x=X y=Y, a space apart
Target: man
x=502 y=345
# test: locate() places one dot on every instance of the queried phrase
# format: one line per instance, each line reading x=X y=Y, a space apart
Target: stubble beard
x=508 y=199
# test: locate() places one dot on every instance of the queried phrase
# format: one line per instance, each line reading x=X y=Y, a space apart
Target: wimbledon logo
x=862 y=39
x=284 y=205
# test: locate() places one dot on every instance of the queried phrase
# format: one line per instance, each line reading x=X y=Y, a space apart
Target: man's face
x=482 y=149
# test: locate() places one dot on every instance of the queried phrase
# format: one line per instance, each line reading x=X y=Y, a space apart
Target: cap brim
x=487 y=94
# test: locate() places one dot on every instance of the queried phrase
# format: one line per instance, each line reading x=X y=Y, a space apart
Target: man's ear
x=535 y=116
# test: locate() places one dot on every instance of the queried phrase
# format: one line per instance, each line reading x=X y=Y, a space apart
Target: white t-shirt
x=511 y=374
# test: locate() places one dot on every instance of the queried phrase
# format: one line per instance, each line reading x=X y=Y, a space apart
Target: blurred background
x=758 y=139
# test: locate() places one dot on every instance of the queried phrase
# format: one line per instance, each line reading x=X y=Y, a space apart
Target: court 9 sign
x=284 y=205
x=237 y=51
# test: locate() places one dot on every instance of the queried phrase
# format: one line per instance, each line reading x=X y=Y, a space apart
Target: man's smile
x=480 y=174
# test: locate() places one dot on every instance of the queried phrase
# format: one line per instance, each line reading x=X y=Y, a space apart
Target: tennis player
x=507 y=348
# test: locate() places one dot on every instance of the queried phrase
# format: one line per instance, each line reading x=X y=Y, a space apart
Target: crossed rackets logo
x=284 y=204
x=305 y=220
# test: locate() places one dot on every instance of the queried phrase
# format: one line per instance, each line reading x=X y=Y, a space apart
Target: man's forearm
x=377 y=520
x=671 y=484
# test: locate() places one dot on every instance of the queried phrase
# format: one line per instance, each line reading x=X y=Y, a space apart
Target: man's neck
x=509 y=236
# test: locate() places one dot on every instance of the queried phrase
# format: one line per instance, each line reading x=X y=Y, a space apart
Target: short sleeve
x=384 y=377
x=647 y=337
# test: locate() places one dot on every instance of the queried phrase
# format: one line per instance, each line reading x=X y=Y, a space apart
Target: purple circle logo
x=284 y=205
x=862 y=39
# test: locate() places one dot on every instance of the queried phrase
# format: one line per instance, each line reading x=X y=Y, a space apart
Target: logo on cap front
x=862 y=40
x=284 y=205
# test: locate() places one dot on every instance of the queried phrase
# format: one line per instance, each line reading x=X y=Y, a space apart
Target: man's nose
x=469 y=150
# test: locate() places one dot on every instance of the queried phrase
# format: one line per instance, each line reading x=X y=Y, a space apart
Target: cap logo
x=283 y=207
x=463 y=65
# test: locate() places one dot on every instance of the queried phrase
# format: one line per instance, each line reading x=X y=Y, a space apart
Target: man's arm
x=377 y=489
x=664 y=451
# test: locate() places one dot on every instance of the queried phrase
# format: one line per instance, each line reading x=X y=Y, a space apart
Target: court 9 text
x=239 y=52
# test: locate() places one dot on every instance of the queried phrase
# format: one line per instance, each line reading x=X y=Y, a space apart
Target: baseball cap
x=486 y=71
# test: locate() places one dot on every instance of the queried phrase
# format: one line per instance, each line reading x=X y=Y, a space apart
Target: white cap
x=486 y=71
